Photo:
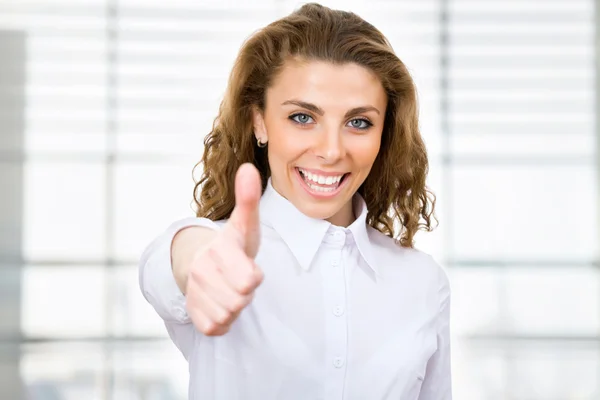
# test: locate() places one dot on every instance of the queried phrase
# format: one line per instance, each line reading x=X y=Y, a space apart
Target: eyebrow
x=319 y=111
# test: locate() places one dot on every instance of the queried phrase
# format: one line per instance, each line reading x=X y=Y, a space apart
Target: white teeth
x=321 y=180
x=320 y=188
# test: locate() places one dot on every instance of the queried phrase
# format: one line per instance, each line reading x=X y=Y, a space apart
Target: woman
x=298 y=279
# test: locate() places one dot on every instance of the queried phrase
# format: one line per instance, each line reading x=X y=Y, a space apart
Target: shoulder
x=391 y=252
x=195 y=221
x=394 y=258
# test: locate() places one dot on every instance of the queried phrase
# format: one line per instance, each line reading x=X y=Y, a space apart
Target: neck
x=344 y=217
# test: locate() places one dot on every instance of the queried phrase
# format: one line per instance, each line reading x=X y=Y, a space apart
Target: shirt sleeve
x=156 y=279
x=437 y=384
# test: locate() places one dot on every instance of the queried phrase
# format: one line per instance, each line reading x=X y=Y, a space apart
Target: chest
x=335 y=328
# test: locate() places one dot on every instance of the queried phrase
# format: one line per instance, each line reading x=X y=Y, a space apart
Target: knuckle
x=222 y=318
x=249 y=281
x=192 y=299
x=213 y=252
x=237 y=303
x=200 y=259
x=198 y=275
x=210 y=328
x=259 y=275
x=215 y=257
x=247 y=285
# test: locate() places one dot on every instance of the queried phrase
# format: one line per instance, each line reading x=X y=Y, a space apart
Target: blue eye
x=360 y=123
x=301 y=118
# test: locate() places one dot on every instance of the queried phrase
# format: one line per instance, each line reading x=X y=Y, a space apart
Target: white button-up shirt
x=342 y=313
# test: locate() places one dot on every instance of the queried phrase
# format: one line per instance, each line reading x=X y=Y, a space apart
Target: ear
x=260 y=129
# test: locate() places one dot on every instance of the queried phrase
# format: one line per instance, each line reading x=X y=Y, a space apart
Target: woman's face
x=323 y=124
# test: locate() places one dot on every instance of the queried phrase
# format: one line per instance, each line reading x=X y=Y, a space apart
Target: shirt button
x=339 y=236
x=335 y=263
x=338 y=311
x=338 y=362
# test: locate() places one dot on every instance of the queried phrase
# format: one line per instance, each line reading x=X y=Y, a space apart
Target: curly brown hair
x=395 y=190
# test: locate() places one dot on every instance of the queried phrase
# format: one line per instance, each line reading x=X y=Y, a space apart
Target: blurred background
x=103 y=108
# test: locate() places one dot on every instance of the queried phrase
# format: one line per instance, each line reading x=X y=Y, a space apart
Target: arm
x=215 y=270
x=164 y=265
x=186 y=244
x=163 y=272
x=437 y=384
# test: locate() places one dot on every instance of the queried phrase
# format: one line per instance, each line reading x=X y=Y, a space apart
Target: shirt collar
x=303 y=235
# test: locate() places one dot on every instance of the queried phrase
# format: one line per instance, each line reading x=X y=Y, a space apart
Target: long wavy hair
x=398 y=201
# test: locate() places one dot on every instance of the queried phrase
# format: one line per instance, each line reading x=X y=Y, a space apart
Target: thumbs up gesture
x=223 y=275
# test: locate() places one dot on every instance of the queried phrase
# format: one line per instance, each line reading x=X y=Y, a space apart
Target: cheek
x=285 y=145
x=365 y=152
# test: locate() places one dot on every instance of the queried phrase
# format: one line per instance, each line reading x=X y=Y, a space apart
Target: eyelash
x=293 y=116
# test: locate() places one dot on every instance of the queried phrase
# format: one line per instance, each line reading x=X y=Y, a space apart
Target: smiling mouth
x=321 y=183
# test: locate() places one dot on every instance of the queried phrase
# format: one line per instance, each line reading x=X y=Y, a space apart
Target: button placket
x=339 y=237
x=336 y=320
x=338 y=311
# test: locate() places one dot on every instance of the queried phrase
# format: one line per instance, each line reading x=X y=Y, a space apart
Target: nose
x=330 y=146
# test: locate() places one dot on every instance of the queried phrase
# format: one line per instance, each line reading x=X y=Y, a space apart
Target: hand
x=223 y=275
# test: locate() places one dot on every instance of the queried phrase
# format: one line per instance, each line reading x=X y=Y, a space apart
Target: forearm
x=186 y=244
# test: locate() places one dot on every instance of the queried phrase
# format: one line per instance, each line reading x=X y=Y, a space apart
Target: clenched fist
x=223 y=276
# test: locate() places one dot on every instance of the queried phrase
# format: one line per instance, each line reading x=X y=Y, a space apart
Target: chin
x=318 y=211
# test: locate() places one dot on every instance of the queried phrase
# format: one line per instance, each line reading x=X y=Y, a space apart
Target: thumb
x=245 y=217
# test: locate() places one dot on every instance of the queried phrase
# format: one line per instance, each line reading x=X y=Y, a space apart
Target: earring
x=260 y=144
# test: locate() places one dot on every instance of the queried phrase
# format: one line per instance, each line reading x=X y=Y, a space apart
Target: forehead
x=327 y=85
